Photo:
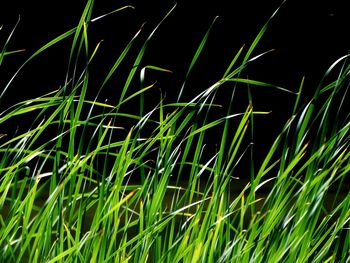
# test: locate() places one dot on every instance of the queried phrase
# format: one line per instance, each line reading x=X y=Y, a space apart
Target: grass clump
x=79 y=186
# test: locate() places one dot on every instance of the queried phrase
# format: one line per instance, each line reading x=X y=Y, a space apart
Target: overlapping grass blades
x=76 y=186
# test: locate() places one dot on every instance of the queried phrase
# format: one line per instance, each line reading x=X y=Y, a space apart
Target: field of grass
x=93 y=181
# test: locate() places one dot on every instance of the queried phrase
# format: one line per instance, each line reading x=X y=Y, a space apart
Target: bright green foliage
x=77 y=186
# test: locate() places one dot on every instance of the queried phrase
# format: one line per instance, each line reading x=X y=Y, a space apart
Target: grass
x=78 y=186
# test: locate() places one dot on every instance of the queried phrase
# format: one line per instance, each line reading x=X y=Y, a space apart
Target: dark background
x=306 y=38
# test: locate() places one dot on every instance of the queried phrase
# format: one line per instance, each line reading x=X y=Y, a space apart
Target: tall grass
x=78 y=186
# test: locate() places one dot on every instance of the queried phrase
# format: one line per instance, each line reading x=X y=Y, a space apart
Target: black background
x=307 y=36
